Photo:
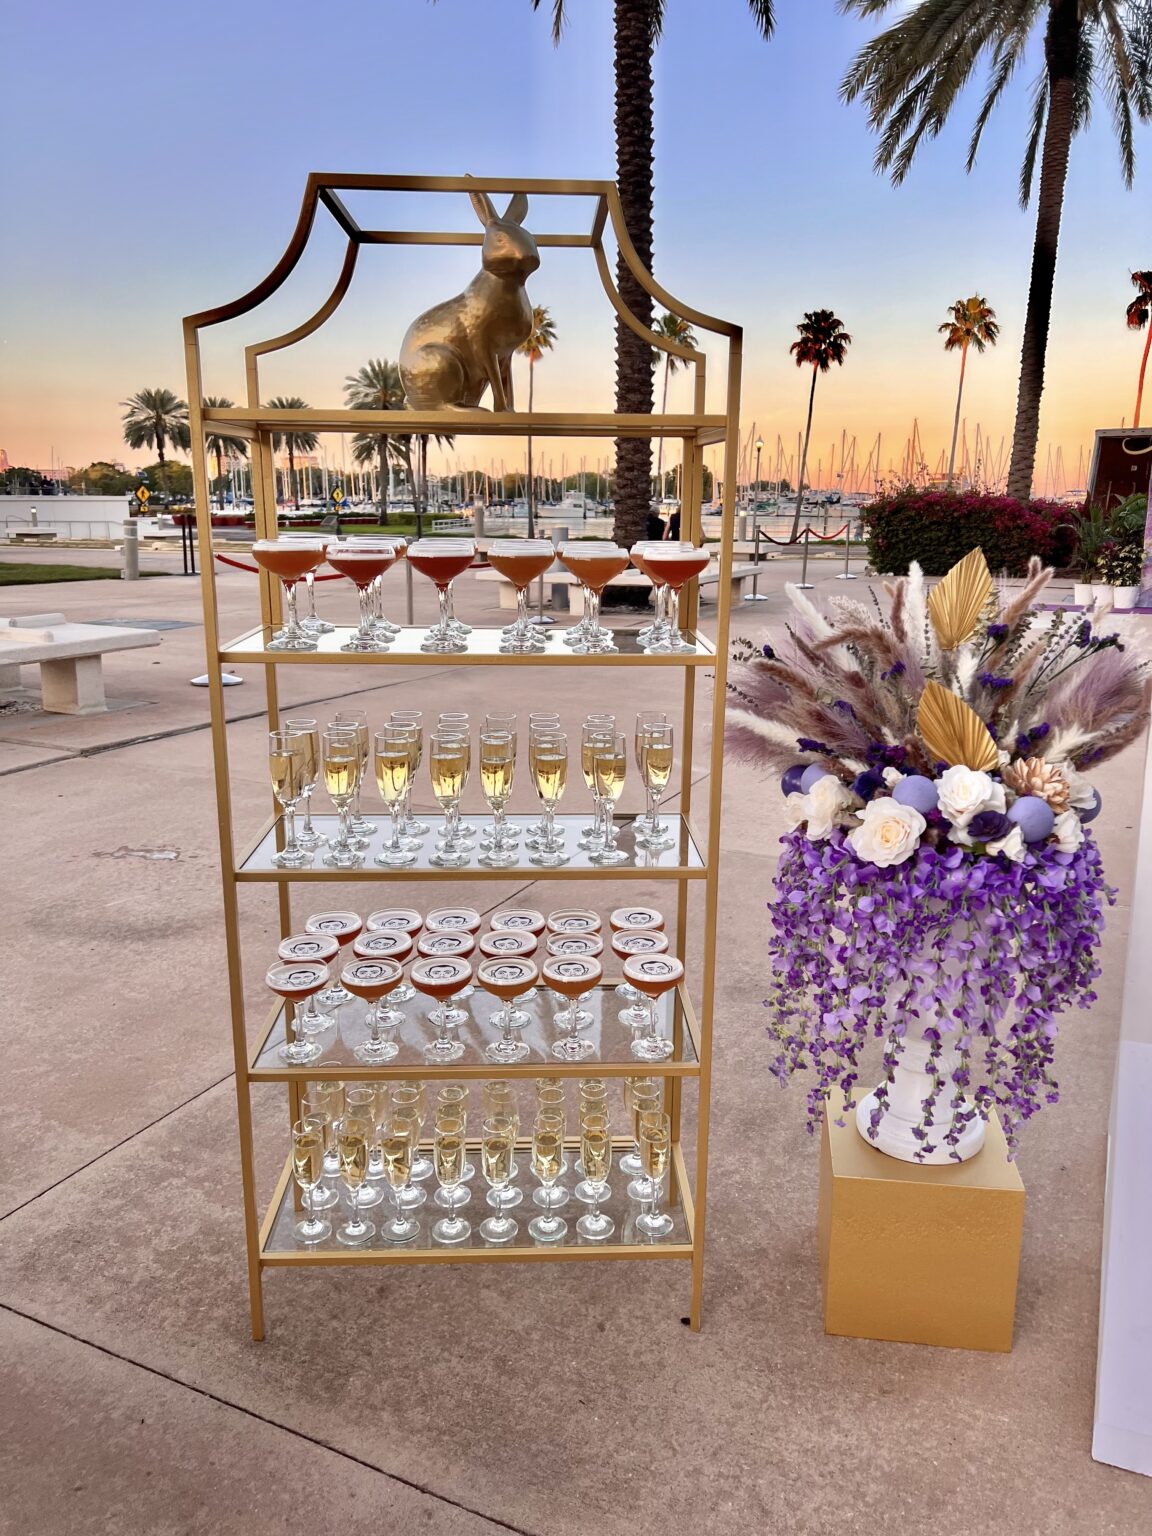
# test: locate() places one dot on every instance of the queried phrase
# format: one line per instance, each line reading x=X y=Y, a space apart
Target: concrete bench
x=69 y=658
x=31 y=535
x=565 y=591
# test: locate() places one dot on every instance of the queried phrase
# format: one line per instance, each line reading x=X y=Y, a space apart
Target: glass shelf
x=612 y=1057
x=279 y=1246
x=483 y=650
x=683 y=862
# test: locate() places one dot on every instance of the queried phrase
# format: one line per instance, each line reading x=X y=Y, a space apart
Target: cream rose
x=1012 y=847
x=888 y=832
x=822 y=807
x=1068 y=832
x=963 y=792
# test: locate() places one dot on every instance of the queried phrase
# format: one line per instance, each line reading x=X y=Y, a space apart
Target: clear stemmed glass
x=507 y=978
x=311 y=623
x=591 y=1110
x=547 y=1157
x=498 y=1139
x=307 y=837
x=435 y=943
x=653 y=976
x=452 y=1104
x=364 y=565
x=308 y=1170
x=373 y=980
x=295 y=981
x=357 y=720
x=573 y=977
x=442 y=560
x=439 y=978
x=641 y=1096
x=411 y=1098
x=655 y=1152
x=415 y=719
x=655 y=630
x=594 y=566
x=324 y=1101
x=381 y=626
x=497 y=774
x=540 y=723
x=596 y=1156
x=344 y=927
x=291 y=562
x=449 y=759
x=521 y=561
x=288 y=763
x=501 y=725
x=449 y=1152
x=625 y=945
x=548 y=762
x=500 y=1104
x=397 y=1147
x=387 y=944
x=340 y=760
x=324 y=949
x=654 y=751
x=352 y=1140
x=675 y=565
x=360 y=1104
x=396 y=920
x=395 y=752
x=610 y=768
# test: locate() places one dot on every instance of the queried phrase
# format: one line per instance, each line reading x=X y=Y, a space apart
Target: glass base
x=510 y=833
x=502 y=860
x=640 y=1188
x=449 y=1200
x=370 y=1195
x=649 y=1049
x=548 y=1229
x=443 y=646
x=311 y=840
x=608 y=856
x=583 y=1192
x=421 y=1168
x=659 y=1224
x=371 y=1052
x=399 y=1231
x=292 y=643
x=312 y=1230
x=511 y=1197
x=343 y=858
x=449 y=860
x=294 y=858
x=410 y=1198
x=668 y=647
x=324 y=1197
x=396 y=858
x=498 y=1229
x=503 y=1051
x=360 y=643
x=414 y=828
x=548 y=859
x=635 y=1017
x=595 y=1227
x=573 y=1050
x=334 y=996
x=315 y=626
x=404 y=993
x=360 y=826
x=298 y=1053
x=452 y=1230
x=521 y=647
x=441 y=1051
x=356 y=1236
x=559 y=1197
x=630 y=1163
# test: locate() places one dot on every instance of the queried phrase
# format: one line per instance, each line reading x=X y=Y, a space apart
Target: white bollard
x=131 y=552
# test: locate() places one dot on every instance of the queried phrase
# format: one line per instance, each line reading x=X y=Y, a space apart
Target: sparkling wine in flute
x=308 y=1157
x=449 y=1157
x=496 y=1157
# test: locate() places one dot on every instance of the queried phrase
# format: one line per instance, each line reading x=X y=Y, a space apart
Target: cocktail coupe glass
x=413 y=828
x=438 y=978
x=395 y=755
x=653 y=976
x=449 y=759
x=610 y=768
x=659 y=625
x=458 y=945
x=288 y=765
x=596 y=1157
x=356 y=720
x=382 y=627
x=291 y=562
x=322 y=949
x=295 y=981
x=521 y=561
x=594 y=567
x=344 y=927
x=405 y=920
x=372 y=981
x=548 y=763
x=642 y=1096
x=518 y=920
x=363 y=565
x=495 y=946
x=655 y=1153
x=547 y=1153
x=449 y=1154
x=352 y=1141
x=583 y=626
x=676 y=565
x=340 y=763
x=442 y=560
x=300 y=725
x=308 y=1171
x=398 y=1146
x=624 y=945
x=507 y=978
x=655 y=751
x=497 y=775
x=311 y=623
x=574 y=978
x=592 y=836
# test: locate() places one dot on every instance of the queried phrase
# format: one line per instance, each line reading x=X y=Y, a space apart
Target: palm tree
x=970 y=323
x=221 y=445
x=155 y=418
x=911 y=75
x=679 y=330
x=637 y=26
x=398 y=450
x=823 y=341
x=540 y=340
x=1139 y=312
x=294 y=442
x=376 y=387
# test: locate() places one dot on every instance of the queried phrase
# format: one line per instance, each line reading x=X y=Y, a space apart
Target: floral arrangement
x=940 y=881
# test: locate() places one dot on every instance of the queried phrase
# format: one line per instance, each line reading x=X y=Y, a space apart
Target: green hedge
x=938 y=528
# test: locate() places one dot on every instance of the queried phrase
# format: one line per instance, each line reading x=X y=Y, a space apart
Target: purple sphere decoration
x=1091 y=812
x=918 y=792
x=989 y=826
x=810 y=775
x=790 y=779
x=1034 y=817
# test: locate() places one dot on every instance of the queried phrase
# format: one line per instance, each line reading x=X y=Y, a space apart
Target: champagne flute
x=496 y=1147
x=655 y=1154
x=548 y=762
x=397 y=1146
x=449 y=1155
x=308 y=1170
x=288 y=762
x=324 y=1100
x=596 y=1156
x=352 y=1139
x=452 y=1104
x=655 y=750
x=414 y=718
x=547 y=1155
x=653 y=976
x=308 y=837
x=357 y=720
x=456 y=722
x=395 y=752
x=410 y=1098
x=591 y=1109
x=609 y=767
x=641 y=1094
x=340 y=759
x=448 y=763
x=497 y=774
x=500 y=1103
x=540 y=723
x=502 y=725
x=360 y=1104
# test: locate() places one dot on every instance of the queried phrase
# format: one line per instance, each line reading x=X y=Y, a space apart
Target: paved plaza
x=557 y=1400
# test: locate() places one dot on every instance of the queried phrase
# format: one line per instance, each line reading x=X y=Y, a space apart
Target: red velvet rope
x=242 y=565
x=791 y=543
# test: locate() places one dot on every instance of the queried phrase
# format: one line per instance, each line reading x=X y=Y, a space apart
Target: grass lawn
x=14 y=573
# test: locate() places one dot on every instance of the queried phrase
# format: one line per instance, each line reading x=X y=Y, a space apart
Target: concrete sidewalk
x=555 y=1400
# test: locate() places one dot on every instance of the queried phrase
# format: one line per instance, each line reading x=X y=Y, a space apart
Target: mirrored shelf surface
x=611 y=1038
x=683 y=861
x=483 y=650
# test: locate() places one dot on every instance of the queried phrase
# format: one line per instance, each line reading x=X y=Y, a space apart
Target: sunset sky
x=154 y=159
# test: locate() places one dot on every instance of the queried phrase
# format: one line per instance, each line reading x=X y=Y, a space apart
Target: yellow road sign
x=142 y=493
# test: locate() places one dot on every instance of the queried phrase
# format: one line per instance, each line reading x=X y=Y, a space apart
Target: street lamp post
x=756 y=596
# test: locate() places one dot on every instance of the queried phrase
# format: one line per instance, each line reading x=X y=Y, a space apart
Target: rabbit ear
x=517 y=208
x=482 y=203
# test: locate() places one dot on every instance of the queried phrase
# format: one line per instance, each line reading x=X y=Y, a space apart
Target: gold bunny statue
x=454 y=351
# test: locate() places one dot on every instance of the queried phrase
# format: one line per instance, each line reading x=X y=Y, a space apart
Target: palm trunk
x=1061 y=50
x=293 y=493
x=795 y=534
x=531 y=487
x=635 y=23
x=660 y=443
x=382 y=460
x=163 y=463
x=220 y=479
x=1143 y=371
x=956 y=423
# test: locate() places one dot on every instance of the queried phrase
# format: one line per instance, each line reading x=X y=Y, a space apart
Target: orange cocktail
x=442 y=560
x=594 y=566
x=673 y=565
x=521 y=561
x=363 y=563
x=291 y=562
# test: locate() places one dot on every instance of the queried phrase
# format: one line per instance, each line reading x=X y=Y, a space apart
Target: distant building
x=4 y=464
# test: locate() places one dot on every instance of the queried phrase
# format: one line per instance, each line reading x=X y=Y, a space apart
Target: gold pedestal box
x=919 y=1255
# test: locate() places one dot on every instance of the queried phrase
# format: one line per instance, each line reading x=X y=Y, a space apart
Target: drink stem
x=293 y=627
x=396 y=810
x=443 y=593
x=365 y=612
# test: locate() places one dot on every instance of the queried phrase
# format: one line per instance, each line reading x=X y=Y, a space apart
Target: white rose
x=796 y=807
x=888 y=832
x=1081 y=795
x=822 y=807
x=1068 y=832
x=891 y=777
x=1012 y=846
x=963 y=792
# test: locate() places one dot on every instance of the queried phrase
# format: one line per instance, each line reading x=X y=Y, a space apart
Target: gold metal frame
x=256 y=423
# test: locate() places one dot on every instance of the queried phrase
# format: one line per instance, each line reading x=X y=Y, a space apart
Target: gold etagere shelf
x=693 y=860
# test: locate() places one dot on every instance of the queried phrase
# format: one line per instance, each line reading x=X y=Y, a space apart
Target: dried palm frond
x=958 y=600
x=953 y=732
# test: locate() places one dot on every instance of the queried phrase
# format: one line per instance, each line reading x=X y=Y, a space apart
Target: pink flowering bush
x=938 y=528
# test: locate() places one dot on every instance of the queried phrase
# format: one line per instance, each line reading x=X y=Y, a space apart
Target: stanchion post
x=804 y=584
x=755 y=596
x=846 y=574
